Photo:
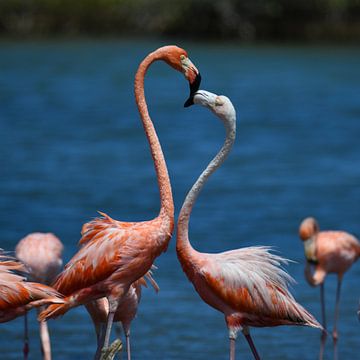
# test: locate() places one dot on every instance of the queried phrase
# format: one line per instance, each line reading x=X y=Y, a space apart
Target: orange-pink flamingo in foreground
x=247 y=285
x=125 y=312
x=17 y=296
x=115 y=253
x=329 y=252
x=41 y=253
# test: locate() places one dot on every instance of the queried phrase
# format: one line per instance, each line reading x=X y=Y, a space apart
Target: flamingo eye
x=182 y=57
x=219 y=101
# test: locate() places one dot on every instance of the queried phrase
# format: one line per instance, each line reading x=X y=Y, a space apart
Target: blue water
x=72 y=144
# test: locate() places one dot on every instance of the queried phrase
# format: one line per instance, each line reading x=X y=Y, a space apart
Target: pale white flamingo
x=330 y=252
x=41 y=253
x=247 y=285
x=115 y=253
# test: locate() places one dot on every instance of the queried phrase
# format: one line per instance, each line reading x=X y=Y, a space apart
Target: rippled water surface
x=72 y=144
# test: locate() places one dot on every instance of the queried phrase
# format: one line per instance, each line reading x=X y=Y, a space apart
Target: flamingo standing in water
x=17 y=296
x=330 y=252
x=41 y=253
x=125 y=312
x=115 y=253
x=247 y=285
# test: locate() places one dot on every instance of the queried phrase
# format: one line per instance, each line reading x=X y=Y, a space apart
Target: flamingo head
x=220 y=105
x=178 y=59
x=308 y=230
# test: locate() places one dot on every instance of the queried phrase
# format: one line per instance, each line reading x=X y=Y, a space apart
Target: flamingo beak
x=192 y=74
x=310 y=251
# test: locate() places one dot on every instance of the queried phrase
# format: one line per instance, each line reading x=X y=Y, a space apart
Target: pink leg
x=44 y=338
x=113 y=304
x=323 y=315
x=26 y=338
x=335 y=333
x=251 y=343
x=127 y=335
x=100 y=340
x=232 y=349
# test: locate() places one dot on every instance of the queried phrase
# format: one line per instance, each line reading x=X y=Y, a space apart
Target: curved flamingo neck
x=183 y=246
x=166 y=198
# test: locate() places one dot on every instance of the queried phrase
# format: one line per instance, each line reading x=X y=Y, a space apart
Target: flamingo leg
x=113 y=304
x=44 y=338
x=100 y=336
x=26 y=338
x=232 y=349
x=323 y=315
x=336 y=316
x=246 y=333
x=128 y=349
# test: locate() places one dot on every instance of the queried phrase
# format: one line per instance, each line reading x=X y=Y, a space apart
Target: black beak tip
x=194 y=87
x=189 y=101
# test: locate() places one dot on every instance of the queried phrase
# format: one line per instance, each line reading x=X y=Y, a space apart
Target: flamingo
x=115 y=254
x=125 y=312
x=247 y=285
x=330 y=252
x=41 y=253
x=17 y=296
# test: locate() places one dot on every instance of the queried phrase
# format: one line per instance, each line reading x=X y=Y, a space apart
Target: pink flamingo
x=17 y=296
x=247 y=285
x=116 y=254
x=330 y=252
x=125 y=312
x=41 y=253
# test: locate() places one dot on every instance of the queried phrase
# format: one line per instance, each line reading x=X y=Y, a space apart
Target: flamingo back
x=336 y=251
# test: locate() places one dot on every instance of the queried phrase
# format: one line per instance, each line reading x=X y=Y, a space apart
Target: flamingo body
x=329 y=252
x=115 y=254
x=247 y=285
x=336 y=251
x=42 y=255
x=17 y=296
x=111 y=259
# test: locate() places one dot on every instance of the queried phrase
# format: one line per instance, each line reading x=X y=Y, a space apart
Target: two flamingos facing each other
x=41 y=253
x=330 y=252
x=247 y=285
x=115 y=254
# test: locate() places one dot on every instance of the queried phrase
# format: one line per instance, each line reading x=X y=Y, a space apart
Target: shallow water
x=72 y=144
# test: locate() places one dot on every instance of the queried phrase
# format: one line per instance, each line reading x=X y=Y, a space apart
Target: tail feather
x=41 y=302
x=54 y=311
x=152 y=281
x=309 y=320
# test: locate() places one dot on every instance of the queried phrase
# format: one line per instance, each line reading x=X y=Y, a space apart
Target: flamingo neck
x=166 y=198
x=183 y=246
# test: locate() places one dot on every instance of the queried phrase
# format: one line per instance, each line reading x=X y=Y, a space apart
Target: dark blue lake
x=72 y=143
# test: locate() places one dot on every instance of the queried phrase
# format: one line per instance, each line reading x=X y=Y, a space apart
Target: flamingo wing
x=251 y=281
x=108 y=246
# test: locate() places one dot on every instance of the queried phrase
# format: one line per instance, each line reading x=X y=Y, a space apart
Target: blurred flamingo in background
x=17 y=296
x=42 y=255
x=247 y=285
x=116 y=254
x=125 y=312
x=329 y=252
